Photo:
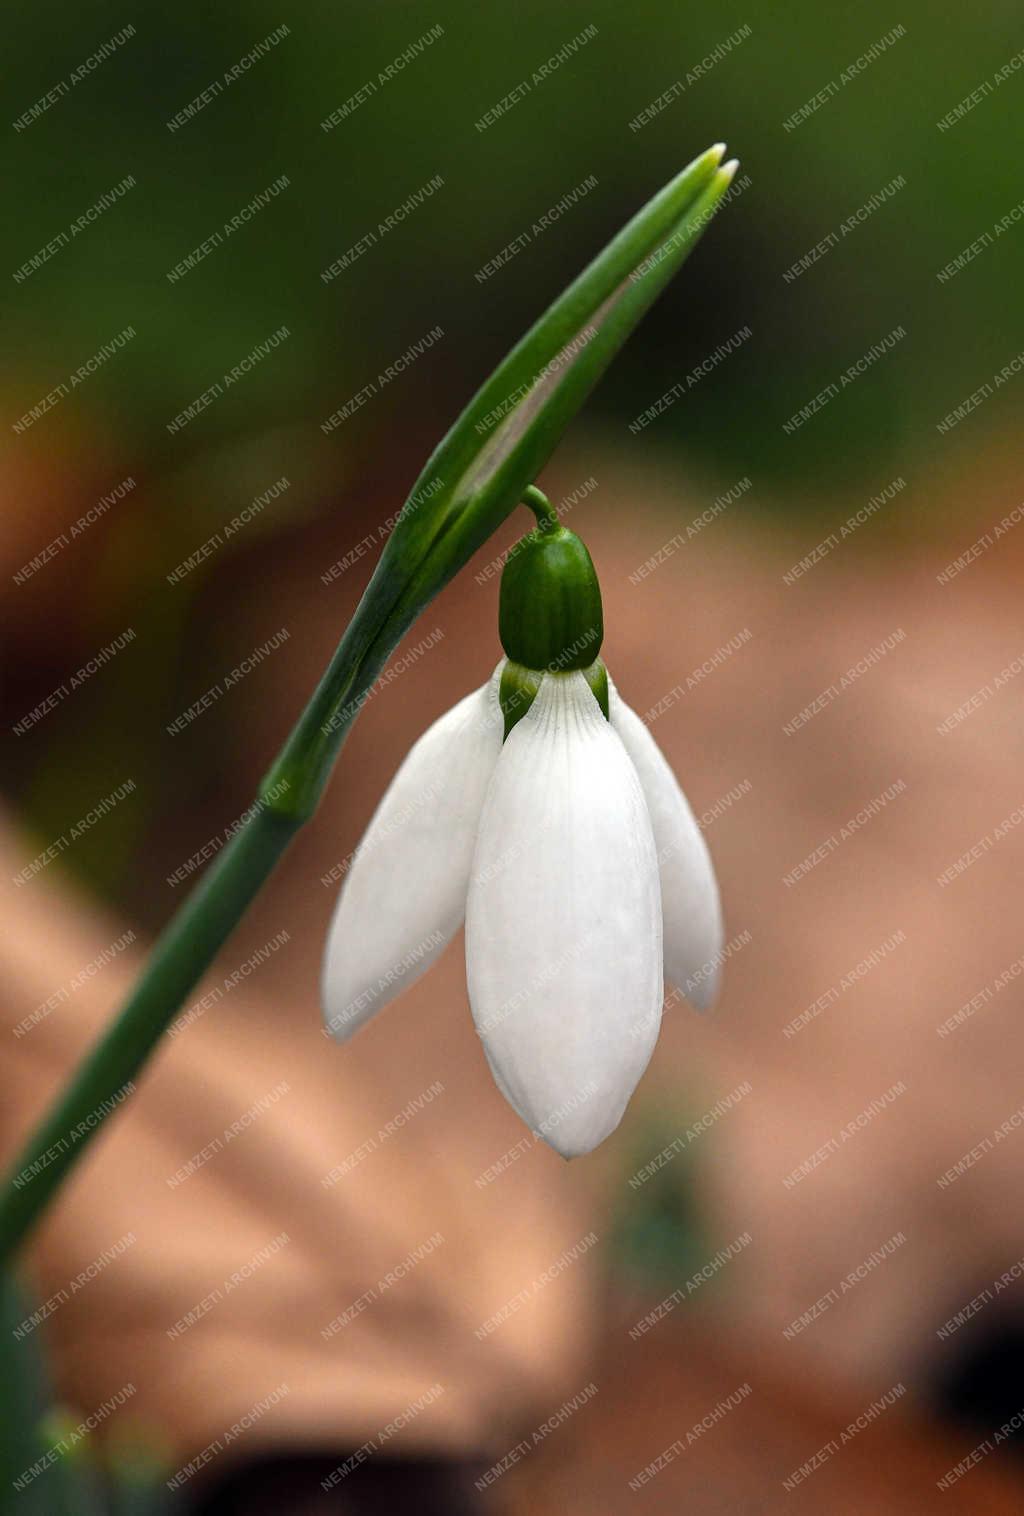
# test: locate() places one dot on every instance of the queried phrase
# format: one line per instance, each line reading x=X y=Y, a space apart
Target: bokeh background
x=721 y=637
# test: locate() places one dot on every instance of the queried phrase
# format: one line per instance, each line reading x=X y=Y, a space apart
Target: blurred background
x=257 y=260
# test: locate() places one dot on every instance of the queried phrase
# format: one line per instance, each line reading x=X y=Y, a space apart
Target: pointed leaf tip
x=511 y=426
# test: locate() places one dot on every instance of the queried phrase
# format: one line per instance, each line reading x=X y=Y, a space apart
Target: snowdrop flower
x=540 y=810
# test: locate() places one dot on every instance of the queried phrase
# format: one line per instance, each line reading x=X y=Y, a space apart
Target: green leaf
x=511 y=426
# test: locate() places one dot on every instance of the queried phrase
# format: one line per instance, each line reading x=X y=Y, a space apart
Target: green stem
x=287 y=799
x=177 y=963
x=540 y=505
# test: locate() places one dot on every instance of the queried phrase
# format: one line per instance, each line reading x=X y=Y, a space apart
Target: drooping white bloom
x=571 y=850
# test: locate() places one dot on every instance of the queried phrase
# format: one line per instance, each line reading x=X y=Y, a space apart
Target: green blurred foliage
x=803 y=184
x=659 y=1235
x=48 y=1455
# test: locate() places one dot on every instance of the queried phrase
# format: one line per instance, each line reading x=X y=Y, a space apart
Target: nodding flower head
x=540 y=811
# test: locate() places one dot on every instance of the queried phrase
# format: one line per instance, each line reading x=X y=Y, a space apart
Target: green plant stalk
x=179 y=959
x=473 y=480
x=176 y=965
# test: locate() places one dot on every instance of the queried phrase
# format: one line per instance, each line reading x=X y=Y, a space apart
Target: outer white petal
x=563 y=924
x=689 y=892
x=404 y=896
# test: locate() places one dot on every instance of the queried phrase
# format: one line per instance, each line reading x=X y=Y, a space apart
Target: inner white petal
x=404 y=894
x=689 y=893
x=563 y=924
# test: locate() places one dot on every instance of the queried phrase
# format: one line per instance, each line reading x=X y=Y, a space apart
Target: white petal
x=404 y=897
x=689 y=893
x=563 y=924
